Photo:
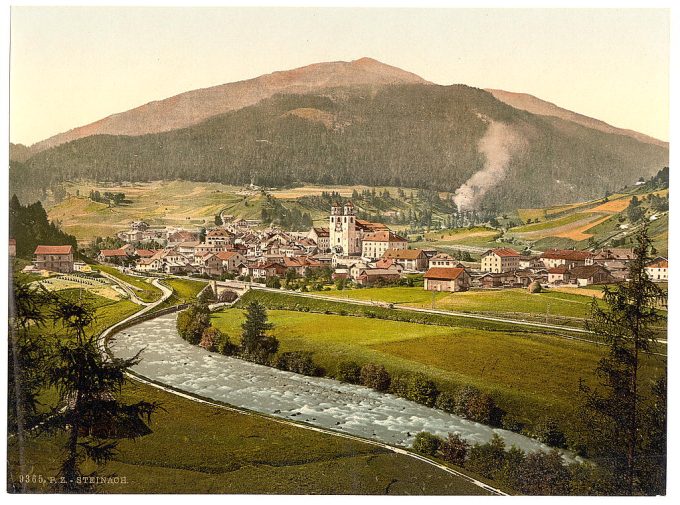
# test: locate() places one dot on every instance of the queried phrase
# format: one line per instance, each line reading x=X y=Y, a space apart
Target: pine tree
x=256 y=345
x=626 y=324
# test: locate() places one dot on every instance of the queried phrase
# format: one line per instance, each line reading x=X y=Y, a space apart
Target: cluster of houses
x=361 y=251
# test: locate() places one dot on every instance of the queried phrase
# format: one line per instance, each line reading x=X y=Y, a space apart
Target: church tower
x=343 y=232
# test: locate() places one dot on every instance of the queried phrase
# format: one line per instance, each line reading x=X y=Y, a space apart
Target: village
x=348 y=251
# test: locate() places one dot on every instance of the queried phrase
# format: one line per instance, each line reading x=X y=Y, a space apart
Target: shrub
x=477 y=406
x=207 y=295
x=210 y=339
x=415 y=387
x=454 y=449
x=426 y=443
x=298 y=362
x=227 y=296
x=375 y=376
x=548 y=431
x=513 y=423
x=192 y=321
x=446 y=402
x=273 y=282
x=485 y=459
x=349 y=371
x=543 y=474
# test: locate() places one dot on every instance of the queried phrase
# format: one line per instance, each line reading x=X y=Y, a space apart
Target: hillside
x=195 y=106
x=448 y=138
x=530 y=103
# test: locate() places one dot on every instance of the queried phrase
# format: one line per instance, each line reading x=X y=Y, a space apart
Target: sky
x=70 y=66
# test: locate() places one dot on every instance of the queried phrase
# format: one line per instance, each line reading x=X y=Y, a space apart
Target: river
x=326 y=403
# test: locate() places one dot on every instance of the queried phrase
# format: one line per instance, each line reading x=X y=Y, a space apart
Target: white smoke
x=498 y=144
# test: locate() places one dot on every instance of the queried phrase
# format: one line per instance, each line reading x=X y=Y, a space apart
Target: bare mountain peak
x=530 y=103
x=194 y=106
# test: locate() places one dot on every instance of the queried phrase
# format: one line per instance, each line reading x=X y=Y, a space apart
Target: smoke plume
x=497 y=145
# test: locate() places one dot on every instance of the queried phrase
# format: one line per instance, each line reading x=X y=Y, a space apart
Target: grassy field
x=196 y=448
x=497 y=302
x=143 y=289
x=518 y=368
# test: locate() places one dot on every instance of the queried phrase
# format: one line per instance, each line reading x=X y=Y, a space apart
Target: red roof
x=383 y=236
x=226 y=255
x=658 y=264
x=145 y=253
x=112 y=252
x=448 y=274
x=566 y=254
x=503 y=252
x=558 y=270
x=404 y=254
x=53 y=249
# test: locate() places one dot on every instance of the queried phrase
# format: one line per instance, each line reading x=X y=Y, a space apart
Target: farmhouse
x=658 y=270
x=499 y=260
x=231 y=260
x=55 y=258
x=447 y=279
x=369 y=276
x=112 y=255
x=218 y=237
x=570 y=258
x=443 y=260
x=558 y=275
x=410 y=259
x=591 y=274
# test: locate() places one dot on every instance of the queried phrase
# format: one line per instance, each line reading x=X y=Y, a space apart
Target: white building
x=502 y=259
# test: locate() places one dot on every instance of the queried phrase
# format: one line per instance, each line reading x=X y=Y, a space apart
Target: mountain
x=447 y=138
x=19 y=152
x=535 y=105
x=195 y=106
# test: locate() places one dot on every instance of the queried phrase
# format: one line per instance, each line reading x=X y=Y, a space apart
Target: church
x=348 y=234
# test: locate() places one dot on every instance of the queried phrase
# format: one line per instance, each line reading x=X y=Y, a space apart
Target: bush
x=192 y=322
x=273 y=282
x=426 y=443
x=227 y=296
x=477 y=406
x=298 y=362
x=548 y=431
x=454 y=449
x=446 y=402
x=543 y=474
x=207 y=295
x=512 y=423
x=375 y=376
x=415 y=387
x=349 y=371
x=485 y=459
x=510 y=472
x=210 y=339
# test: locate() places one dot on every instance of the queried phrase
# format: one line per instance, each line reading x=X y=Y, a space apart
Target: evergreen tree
x=616 y=409
x=256 y=345
x=88 y=383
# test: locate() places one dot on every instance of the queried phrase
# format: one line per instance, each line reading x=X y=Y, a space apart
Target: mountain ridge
x=192 y=107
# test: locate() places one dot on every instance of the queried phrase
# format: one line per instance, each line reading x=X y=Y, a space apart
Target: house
x=527 y=261
x=211 y=264
x=369 y=276
x=410 y=259
x=375 y=244
x=187 y=248
x=658 y=270
x=558 y=275
x=219 y=237
x=447 y=279
x=112 y=255
x=181 y=236
x=567 y=257
x=149 y=265
x=605 y=256
x=12 y=248
x=231 y=260
x=55 y=258
x=591 y=274
x=267 y=270
x=443 y=260
x=321 y=237
x=300 y=264
x=144 y=253
x=501 y=259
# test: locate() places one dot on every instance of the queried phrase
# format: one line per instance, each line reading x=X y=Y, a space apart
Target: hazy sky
x=72 y=66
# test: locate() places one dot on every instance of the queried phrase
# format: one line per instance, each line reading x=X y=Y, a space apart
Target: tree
x=192 y=322
x=207 y=295
x=256 y=345
x=298 y=362
x=426 y=443
x=375 y=376
x=349 y=371
x=616 y=408
x=485 y=459
x=210 y=339
x=548 y=431
x=218 y=220
x=455 y=449
x=87 y=383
